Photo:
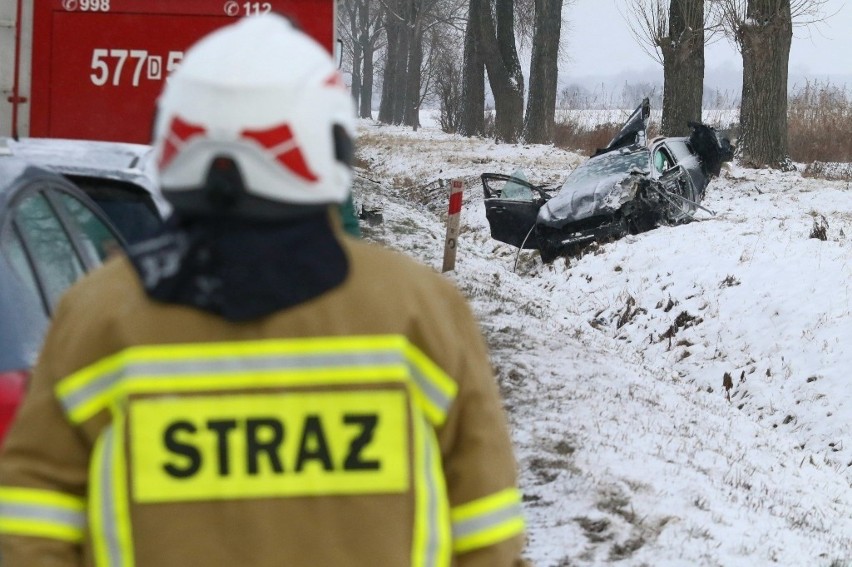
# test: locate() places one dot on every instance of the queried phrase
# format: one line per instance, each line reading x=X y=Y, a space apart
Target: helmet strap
x=224 y=185
x=344 y=149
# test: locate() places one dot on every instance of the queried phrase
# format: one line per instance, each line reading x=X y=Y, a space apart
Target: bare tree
x=541 y=102
x=490 y=40
x=676 y=32
x=763 y=32
x=472 y=121
x=392 y=107
x=410 y=24
x=361 y=31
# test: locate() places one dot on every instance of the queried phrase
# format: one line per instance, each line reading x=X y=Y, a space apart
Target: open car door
x=511 y=207
x=633 y=130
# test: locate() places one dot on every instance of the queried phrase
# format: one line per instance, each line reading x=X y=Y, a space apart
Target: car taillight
x=12 y=387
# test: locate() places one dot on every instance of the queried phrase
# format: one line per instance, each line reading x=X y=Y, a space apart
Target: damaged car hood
x=599 y=186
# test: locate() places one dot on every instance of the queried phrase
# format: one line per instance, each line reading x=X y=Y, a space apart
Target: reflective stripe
x=42 y=513
x=438 y=388
x=431 y=543
x=487 y=521
x=266 y=364
x=109 y=516
x=258 y=364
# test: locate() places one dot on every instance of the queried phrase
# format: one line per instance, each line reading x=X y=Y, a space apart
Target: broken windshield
x=607 y=165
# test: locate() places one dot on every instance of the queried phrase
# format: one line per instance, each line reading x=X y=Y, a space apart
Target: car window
x=16 y=256
x=680 y=149
x=96 y=236
x=55 y=259
x=129 y=208
x=662 y=159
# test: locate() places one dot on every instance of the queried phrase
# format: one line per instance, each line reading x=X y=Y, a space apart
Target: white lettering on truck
x=118 y=66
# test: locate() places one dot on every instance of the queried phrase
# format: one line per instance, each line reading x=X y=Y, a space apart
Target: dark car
x=628 y=187
x=62 y=213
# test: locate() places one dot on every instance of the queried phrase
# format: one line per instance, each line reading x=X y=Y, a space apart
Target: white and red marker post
x=453 y=221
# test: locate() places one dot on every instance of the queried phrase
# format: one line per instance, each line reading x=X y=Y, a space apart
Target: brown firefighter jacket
x=362 y=428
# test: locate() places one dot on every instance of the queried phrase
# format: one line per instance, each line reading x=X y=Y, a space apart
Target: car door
x=511 y=207
x=51 y=234
x=62 y=236
x=675 y=165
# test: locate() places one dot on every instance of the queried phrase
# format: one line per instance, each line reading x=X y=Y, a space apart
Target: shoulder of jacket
x=115 y=280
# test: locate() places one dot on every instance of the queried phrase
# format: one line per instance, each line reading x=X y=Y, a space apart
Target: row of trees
x=423 y=40
x=678 y=30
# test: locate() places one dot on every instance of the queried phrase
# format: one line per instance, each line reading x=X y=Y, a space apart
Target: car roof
x=128 y=163
x=13 y=170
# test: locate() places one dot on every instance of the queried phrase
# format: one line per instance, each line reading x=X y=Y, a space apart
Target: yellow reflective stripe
x=109 y=511
x=438 y=389
x=98 y=472
x=258 y=364
x=42 y=513
x=487 y=521
x=431 y=545
x=93 y=385
x=121 y=493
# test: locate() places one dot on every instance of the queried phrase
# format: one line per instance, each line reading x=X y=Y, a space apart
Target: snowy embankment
x=612 y=366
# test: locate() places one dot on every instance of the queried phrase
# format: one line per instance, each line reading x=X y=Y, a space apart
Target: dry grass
x=578 y=137
x=819 y=124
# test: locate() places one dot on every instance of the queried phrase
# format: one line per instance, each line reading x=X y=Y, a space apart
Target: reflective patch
x=261 y=445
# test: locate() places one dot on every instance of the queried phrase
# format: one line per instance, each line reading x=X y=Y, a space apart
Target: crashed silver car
x=628 y=187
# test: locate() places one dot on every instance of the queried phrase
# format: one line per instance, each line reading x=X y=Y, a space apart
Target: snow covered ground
x=630 y=449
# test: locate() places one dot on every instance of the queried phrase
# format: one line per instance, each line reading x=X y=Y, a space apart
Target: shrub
x=572 y=134
x=819 y=124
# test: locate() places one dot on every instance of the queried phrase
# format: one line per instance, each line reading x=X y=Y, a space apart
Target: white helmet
x=262 y=104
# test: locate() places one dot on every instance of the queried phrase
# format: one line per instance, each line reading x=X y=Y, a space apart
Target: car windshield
x=613 y=163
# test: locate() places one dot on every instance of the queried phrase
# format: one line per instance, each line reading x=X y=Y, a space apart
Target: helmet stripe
x=179 y=132
x=282 y=144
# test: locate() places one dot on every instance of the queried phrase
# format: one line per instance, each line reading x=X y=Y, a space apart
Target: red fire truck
x=92 y=69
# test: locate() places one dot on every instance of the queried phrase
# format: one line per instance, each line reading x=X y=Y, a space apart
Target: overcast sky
x=599 y=42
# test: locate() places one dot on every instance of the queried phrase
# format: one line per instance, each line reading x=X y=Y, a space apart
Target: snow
x=612 y=365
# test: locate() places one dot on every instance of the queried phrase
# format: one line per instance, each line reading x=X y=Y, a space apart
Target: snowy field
x=631 y=451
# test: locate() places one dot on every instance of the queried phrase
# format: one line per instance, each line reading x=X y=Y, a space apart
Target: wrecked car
x=631 y=186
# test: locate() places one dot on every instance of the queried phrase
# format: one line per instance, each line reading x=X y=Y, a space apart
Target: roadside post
x=453 y=221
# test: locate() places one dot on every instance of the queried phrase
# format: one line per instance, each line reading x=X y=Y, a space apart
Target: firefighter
x=254 y=387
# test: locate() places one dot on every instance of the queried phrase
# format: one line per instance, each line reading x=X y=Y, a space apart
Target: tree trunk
x=386 y=106
x=504 y=69
x=765 y=39
x=404 y=9
x=473 y=77
x=541 y=103
x=360 y=33
x=683 y=67
x=366 y=110
x=356 y=71
x=411 y=89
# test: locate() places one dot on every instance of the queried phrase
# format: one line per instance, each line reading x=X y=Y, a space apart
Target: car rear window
x=55 y=258
x=98 y=238
x=130 y=208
